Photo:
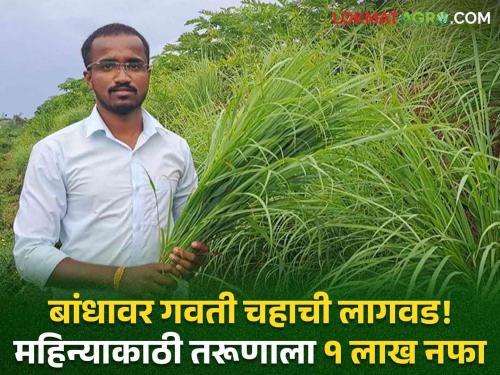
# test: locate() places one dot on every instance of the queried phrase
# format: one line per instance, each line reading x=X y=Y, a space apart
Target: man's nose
x=121 y=75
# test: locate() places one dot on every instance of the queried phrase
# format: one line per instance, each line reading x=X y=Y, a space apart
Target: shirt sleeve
x=187 y=184
x=42 y=205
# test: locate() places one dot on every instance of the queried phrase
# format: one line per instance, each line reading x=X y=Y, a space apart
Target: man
x=104 y=186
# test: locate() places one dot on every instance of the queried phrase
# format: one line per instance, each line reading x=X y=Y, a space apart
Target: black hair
x=108 y=30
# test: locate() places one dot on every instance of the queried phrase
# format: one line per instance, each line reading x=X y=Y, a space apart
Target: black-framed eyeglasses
x=114 y=66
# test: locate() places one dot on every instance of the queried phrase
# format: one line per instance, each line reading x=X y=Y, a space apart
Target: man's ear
x=87 y=77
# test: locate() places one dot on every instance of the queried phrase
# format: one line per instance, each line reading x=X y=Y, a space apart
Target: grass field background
x=344 y=158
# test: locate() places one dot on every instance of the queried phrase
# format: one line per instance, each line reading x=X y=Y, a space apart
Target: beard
x=121 y=108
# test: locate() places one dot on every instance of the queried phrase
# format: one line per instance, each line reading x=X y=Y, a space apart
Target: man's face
x=118 y=91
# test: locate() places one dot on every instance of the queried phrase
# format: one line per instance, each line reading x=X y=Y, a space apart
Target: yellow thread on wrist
x=117 y=278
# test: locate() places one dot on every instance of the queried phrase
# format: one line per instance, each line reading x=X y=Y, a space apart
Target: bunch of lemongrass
x=262 y=141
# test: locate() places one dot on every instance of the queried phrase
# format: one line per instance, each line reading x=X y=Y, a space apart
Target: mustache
x=123 y=87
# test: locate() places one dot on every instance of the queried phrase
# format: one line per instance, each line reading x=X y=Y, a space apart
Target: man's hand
x=149 y=280
x=141 y=281
x=187 y=263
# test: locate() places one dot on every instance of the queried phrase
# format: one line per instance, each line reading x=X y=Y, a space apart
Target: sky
x=40 y=40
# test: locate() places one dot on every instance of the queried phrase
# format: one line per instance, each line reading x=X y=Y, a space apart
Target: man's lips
x=122 y=90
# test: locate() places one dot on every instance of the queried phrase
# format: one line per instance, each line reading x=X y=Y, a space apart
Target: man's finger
x=188 y=265
x=167 y=268
x=190 y=257
x=200 y=246
x=201 y=252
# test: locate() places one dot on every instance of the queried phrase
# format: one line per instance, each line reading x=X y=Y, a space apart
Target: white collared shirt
x=92 y=192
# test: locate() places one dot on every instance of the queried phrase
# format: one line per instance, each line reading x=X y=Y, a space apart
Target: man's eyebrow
x=132 y=59
x=108 y=60
x=135 y=59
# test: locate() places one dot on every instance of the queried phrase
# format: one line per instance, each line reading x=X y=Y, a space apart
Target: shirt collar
x=95 y=123
x=150 y=124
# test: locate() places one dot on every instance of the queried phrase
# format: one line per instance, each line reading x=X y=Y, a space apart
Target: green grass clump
x=395 y=191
